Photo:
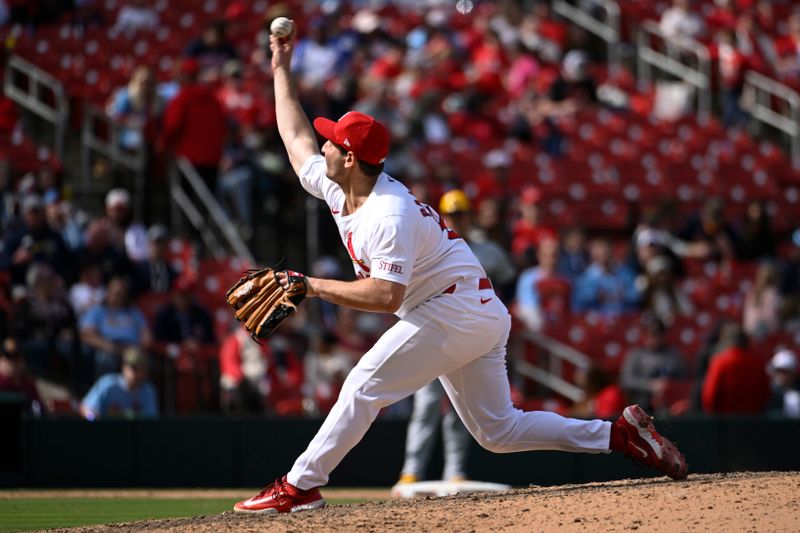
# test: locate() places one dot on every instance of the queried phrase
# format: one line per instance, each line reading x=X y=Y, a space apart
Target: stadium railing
x=672 y=60
x=102 y=134
x=607 y=28
x=40 y=93
x=762 y=96
x=542 y=359
x=221 y=222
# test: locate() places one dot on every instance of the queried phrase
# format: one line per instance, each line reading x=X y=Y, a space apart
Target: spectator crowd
x=99 y=302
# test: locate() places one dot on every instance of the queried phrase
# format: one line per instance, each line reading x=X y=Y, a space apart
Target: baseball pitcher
x=451 y=325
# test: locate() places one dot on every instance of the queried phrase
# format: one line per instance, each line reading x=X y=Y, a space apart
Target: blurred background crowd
x=659 y=247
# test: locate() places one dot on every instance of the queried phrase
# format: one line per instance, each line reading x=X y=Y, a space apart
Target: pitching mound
x=719 y=502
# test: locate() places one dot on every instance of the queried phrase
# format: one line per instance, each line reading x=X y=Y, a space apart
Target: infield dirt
x=717 y=502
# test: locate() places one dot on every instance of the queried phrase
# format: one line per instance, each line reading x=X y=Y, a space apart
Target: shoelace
x=275 y=487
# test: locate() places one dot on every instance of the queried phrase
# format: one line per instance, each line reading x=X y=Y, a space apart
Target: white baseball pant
x=460 y=338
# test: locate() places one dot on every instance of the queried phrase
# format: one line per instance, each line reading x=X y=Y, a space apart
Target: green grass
x=26 y=514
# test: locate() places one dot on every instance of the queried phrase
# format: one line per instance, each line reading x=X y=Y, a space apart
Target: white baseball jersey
x=395 y=237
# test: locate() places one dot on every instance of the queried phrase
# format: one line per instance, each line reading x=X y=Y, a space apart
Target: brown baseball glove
x=260 y=301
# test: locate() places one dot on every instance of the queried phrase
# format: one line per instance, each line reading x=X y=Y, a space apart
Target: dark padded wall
x=227 y=452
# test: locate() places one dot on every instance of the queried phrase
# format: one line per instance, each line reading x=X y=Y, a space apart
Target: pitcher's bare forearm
x=293 y=125
x=368 y=294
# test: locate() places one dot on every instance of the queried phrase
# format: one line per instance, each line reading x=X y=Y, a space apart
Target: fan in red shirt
x=753 y=42
x=732 y=61
x=195 y=125
x=528 y=231
x=389 y=65
x=723 y=15
x=489 y=63
x=736 y=381
x=236 y=98
x=765 y=16
x=254 y=376
x=731 y=64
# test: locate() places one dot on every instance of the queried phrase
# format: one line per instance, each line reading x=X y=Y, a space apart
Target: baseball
x=281 y=27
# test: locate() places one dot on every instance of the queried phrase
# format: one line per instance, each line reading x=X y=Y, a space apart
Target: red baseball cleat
x=644 y=444
x=281 y=497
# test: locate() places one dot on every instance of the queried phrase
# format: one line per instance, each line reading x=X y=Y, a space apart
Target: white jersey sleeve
x=316 y=183
x=394 y=252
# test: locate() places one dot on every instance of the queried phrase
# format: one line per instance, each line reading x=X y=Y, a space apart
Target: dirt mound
x=718 y=502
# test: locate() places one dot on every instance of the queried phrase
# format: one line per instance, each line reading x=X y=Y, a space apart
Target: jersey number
x=428 y=211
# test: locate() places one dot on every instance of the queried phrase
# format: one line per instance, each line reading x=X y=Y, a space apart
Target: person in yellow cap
x=455 y=207
x=454 y=201
x=428 y=414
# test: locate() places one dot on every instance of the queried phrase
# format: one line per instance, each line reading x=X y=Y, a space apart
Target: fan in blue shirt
x=125 y=395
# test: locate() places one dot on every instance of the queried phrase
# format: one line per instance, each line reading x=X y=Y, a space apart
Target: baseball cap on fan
x=454 y=201
x=117 y=197
x=361 y=134
x=783 y=360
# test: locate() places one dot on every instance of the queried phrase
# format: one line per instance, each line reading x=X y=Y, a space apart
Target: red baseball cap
x=361 y=134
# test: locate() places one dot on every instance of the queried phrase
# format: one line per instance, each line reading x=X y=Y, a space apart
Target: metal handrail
x=196 y=219
x=607 y=29
x=648 y=57
x=30 y=96
x=762 y=90
x=211 y=204
x=556 y=354
x=134 y=160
